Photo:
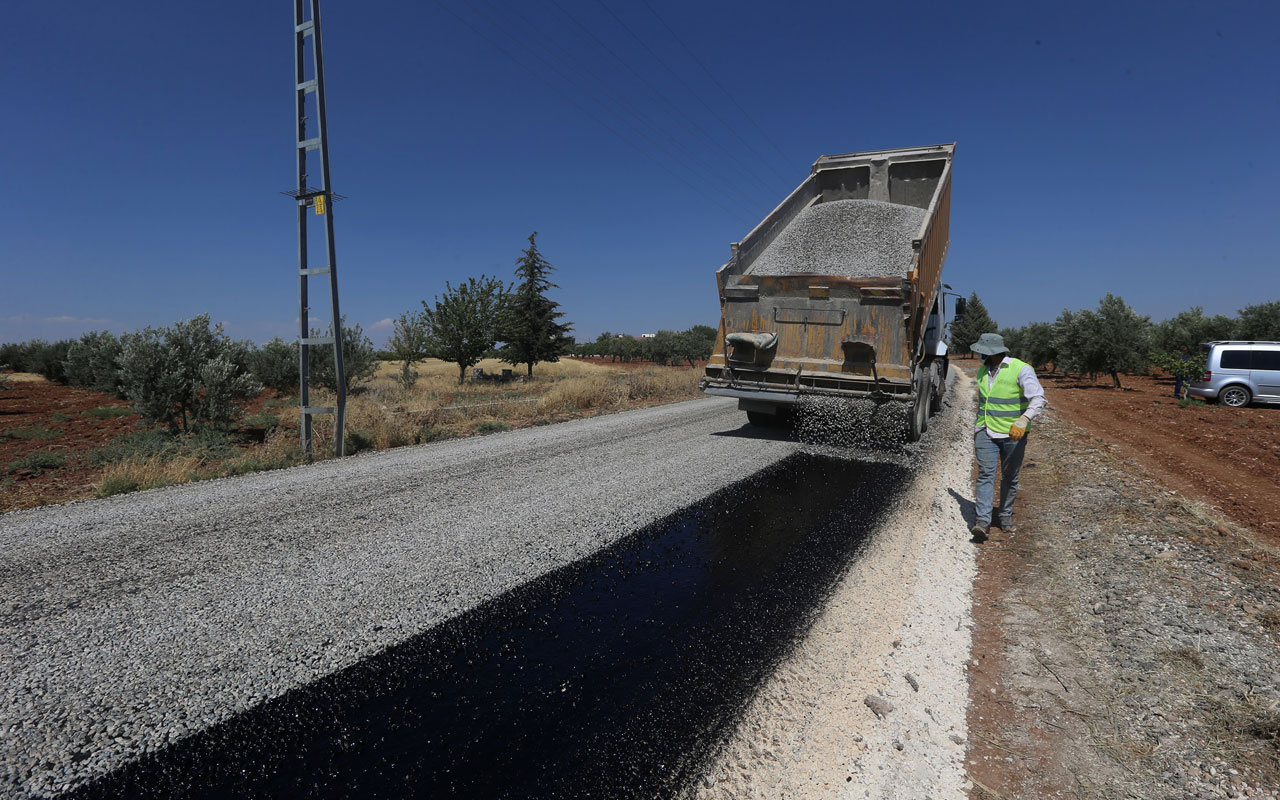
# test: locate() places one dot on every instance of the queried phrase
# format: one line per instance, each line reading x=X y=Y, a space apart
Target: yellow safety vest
x=1000 y=405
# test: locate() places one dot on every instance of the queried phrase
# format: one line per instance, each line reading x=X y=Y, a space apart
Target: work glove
x=1019 y=428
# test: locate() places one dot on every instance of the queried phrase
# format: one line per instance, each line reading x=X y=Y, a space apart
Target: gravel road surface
x=131 y=622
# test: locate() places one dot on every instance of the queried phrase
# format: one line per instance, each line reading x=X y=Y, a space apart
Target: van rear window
x=1266 y=359
x=1235 y=359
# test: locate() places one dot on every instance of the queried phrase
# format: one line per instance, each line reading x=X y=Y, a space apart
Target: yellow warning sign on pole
x=319 y=204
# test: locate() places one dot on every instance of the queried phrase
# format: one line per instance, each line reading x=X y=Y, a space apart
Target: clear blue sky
x=1122 y=147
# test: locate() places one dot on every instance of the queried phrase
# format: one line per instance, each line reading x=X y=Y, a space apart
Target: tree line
x=188 y=375
x=1112 y=338
x=664 y=347
x=469 y=320
x=191 y=375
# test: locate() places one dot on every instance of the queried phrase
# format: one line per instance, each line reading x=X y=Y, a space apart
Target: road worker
x=1009 y=397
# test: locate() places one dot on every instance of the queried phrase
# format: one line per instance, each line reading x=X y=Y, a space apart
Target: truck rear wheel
x=920 y=408
x=938 y=385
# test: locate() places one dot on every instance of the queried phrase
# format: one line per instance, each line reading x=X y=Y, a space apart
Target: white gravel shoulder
x=903 y=610
x=130 y=622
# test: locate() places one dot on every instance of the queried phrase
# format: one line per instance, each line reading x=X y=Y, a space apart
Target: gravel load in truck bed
x=850 y=238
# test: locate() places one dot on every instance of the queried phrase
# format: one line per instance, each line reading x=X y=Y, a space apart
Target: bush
x=155 y=444
x=108 y=412
x=410 y=341
x=31 y=433
x=1188 y=369
x=262 y=420
x=1189 y=329
x=94 y=363
x=38 y=460
x=275 y=365
x=357 y=441
x=117 y=483
x=359 y=358
x=38 y=356
x=185 y=376
x=1260 y=322
x=138 y=444
x=492 y=426
x=431 y=433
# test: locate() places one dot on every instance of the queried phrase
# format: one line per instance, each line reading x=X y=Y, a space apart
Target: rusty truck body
x=783 y=338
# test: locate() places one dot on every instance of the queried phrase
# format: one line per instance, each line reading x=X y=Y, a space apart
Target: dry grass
x=25 y=377
x=439 y=407
x=138 y=472
x=382 y=414
x=146 y=472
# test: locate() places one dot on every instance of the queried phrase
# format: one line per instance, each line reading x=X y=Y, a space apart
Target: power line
x=709 y=74
x=661 y=96
x=683 y=82
x=507 y=52
x=706 y=171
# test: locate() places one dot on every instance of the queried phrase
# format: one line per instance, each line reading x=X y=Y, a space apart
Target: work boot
x=979 y=531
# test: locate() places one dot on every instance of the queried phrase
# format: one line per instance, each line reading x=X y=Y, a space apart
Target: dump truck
x=838 y=292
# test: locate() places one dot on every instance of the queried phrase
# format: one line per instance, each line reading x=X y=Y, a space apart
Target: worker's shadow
x=967 y=509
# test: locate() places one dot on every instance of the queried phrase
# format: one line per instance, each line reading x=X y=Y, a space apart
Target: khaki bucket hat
x=989 y=344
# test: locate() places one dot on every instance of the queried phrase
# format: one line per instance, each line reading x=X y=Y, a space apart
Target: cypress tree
x=531 y=329
x=975 y=322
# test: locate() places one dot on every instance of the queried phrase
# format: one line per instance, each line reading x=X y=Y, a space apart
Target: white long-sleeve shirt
x=1031 y=389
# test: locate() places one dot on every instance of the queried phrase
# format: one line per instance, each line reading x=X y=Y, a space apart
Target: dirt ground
x=1227 y=457
x=1127 y=635
x=49 y=432
x=58 y=419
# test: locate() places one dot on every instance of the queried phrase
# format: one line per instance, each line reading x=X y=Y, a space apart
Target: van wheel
x=1235 y=396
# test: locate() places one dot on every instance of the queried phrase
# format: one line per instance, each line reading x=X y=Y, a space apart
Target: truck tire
x=938 y=380
x=920 y=408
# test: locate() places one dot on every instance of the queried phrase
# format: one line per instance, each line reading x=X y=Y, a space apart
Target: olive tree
x=185 y=376
x=410 y=341
x=359 y=358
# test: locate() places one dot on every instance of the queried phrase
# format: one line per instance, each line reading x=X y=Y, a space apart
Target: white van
x=1239 y=373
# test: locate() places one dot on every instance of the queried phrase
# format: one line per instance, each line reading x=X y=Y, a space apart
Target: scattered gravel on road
x=131 y=622
x=849 y=238
x=813 y=730
x=857 y=428
x=878 y=705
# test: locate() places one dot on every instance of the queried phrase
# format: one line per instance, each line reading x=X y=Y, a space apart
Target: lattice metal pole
x=322 y=201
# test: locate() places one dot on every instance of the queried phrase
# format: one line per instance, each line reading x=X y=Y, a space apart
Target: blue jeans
x=1008 y=455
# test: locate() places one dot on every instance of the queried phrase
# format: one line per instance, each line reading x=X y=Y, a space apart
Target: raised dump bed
x=838 y=292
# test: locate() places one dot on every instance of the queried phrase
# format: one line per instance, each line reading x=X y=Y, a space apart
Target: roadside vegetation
x=186 y=402
x=1114 y=340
